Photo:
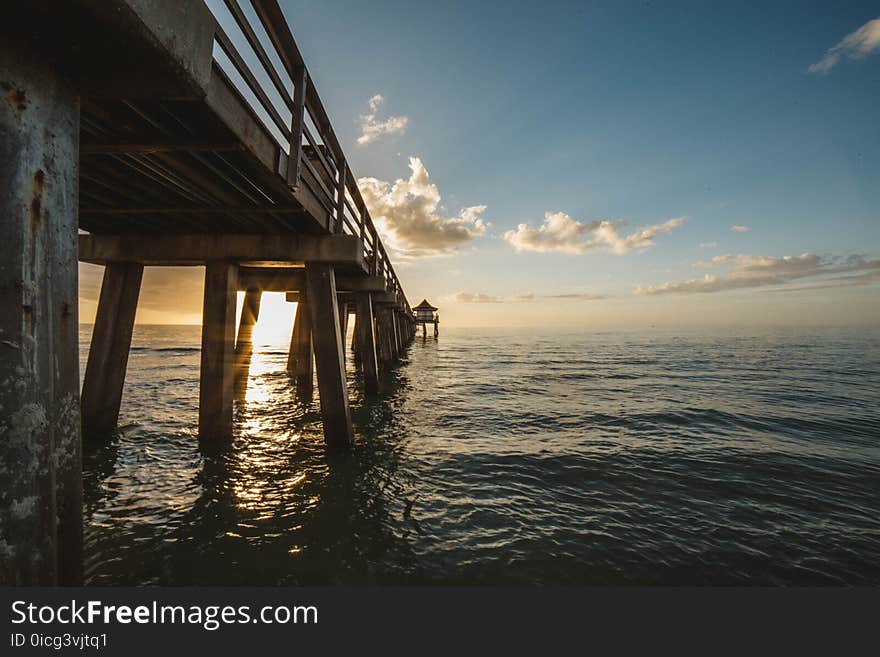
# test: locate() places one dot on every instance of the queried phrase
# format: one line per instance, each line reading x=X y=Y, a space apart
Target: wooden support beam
x=106 y=148
x=395 y=335
x=244 y=343
x=301 y=359
x=286 y=248
x=354 y=334
x=287 y=279
x=294 y=334
x=379 y=337
x=108 y=355
x=366 y=340
x=216 y=387
x=343 y=322
x=112 y=210
x=385 y=299
x=386 y=340
x=321 y=290
x=392 y=342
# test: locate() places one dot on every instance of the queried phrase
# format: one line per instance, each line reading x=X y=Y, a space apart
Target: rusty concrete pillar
x=40 y=445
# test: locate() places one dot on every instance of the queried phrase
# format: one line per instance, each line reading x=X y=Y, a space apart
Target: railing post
x=374 y=265
x=340 y=197
x=294 y=163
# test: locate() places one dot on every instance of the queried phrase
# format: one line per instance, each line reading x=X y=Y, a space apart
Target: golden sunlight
x=275 y=322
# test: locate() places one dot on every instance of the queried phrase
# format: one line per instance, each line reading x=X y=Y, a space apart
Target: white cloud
x=736 y=228
x=405 y=213
x=476 y=297
x=577 y=296
x=709 y=245
x=372 y=128
x=560 y=233
x=856 y=45
x=841 y=281
x=762 y=271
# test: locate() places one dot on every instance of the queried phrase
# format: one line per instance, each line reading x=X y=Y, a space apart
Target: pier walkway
x=141 y=133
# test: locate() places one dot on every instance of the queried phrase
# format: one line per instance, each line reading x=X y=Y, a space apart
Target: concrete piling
x=328 y=345
x=40 y=445
x=217 y=377
x=301 y=361
x=366 y=342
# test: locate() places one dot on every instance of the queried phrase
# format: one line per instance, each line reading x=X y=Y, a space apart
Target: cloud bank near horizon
x=478 y=297
x=744 y=271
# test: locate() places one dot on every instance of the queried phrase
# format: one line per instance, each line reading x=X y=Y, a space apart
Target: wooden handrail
x=305 y=99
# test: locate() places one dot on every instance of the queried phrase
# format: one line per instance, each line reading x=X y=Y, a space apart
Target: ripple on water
x=506 y=457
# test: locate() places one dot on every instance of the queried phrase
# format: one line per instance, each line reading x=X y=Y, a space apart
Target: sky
x=606 y=164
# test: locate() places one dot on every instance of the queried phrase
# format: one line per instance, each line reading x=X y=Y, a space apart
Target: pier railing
x=255 y=50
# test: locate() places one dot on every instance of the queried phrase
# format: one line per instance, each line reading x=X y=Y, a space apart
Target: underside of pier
x=135 y=133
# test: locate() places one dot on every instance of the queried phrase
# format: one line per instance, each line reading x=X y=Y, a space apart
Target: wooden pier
x=139 y=133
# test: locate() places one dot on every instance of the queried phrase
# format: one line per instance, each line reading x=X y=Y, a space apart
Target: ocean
x=506 y=457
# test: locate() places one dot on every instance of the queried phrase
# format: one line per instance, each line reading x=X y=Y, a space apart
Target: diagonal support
x=108 y=355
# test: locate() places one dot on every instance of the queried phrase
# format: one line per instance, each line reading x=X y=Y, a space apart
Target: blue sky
x=671 y=123
x=627 y=112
